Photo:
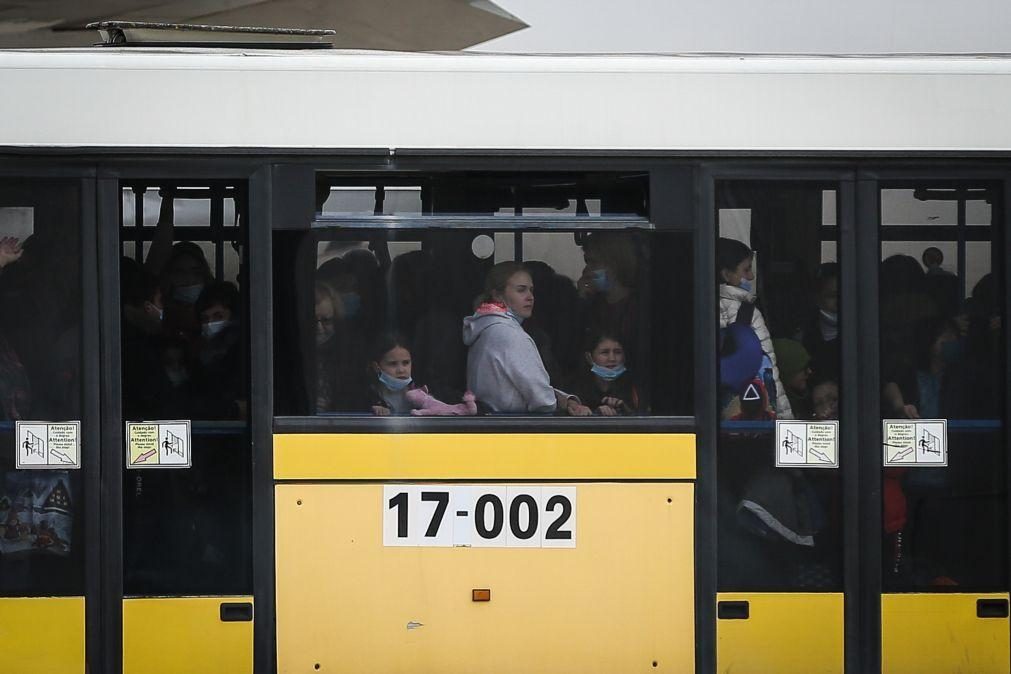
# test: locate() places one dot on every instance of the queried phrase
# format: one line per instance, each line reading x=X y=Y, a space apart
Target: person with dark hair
x=821 y=333
x=940 y=284
x=608 y=284
x=219 y=385
x=504 y=368
x=737 y=298
x=605 y=385
x=390 y=375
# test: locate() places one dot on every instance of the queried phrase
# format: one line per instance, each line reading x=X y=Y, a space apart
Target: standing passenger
x=733 y=262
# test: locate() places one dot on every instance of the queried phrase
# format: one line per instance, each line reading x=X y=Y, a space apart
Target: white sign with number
x=807 y=444
x=922 y=443
x=479 y=516
x=47 y=444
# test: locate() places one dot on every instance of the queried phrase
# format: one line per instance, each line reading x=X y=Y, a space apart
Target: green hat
x=791 y=357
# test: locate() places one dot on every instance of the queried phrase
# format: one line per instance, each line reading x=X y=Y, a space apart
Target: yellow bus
x=376 y=362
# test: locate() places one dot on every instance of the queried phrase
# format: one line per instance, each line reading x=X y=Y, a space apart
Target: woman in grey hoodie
x=504 y=368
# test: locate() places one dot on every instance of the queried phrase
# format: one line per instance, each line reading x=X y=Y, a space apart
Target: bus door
x=943 y=459
x=48 y=427
x=185 y=451
x=780 y=452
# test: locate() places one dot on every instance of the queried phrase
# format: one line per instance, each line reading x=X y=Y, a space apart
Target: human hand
x=607 y=411
x=380 y=411
x=611 y=401
x=577 y=409
x=10 y=250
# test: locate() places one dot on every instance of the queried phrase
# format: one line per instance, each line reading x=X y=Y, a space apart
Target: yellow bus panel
x=621 y=601
x=486 y=456
x=928 y=633
x=786 y=633
x=43 y=635
x=170 y=635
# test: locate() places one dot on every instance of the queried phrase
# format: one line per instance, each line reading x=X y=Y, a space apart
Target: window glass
x=942 y=357
x=779 y=528
x=41 y=517
x=352 y=307
x=490 y=194
x=185 y=355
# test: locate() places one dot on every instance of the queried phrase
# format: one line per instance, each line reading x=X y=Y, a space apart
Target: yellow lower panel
x=620 y=601
x=494 y=456
x=927 y=633
x=43 y=635
x=785 y=633
x=176 y=635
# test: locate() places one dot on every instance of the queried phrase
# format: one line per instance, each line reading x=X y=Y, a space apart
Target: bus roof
x=215 y=98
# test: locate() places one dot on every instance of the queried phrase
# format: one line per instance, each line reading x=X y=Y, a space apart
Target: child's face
x=742 y=272
x=608 y=353
x=396 y=363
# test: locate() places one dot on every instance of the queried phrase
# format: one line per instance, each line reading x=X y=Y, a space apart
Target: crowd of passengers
x=532 y=341
x=937 y=350
x=940 y=357
x=183 y=353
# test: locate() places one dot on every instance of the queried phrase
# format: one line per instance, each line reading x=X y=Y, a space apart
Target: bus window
x=41 y=519
x=600 y=315
x=942 y=357
x=184 y=346
x=778 y=283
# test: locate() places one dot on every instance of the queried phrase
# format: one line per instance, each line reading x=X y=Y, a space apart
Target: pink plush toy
x=427 y=406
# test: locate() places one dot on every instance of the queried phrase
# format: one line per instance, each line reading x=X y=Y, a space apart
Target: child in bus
x=605 y=385
x=737 y=297
x=391 y=376
x=393 y=391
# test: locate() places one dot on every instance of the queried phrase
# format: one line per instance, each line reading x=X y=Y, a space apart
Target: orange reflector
x=480 y=595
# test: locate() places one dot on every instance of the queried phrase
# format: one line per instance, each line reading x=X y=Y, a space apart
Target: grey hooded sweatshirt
x=504 y=368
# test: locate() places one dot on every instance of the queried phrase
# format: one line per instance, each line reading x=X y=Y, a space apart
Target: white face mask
x=214 y=328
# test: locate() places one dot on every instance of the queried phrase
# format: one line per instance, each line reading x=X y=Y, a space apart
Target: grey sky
x=819 y=26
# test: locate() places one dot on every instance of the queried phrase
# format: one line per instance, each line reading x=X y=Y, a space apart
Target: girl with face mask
x=605 y=384
x=390 y=374
x=735 y=275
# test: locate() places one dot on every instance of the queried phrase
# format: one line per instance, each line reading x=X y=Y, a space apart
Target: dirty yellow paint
x=171 y=635
x=42 y=635
x=927 y=633
x=486 y=456
x=619 y=601
x=786 y=633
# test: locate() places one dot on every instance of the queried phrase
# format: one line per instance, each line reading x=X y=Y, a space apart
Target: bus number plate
x=479 y=516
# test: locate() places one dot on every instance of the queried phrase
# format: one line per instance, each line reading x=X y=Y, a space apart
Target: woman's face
x=396 y=363
x=608 y=353
x=519 y=294
x=742 y=272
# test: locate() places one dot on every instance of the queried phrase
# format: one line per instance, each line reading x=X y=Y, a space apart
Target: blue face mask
x=601 y=280
x=352 y=304
x=746 y=285
x=393 y=383
x=608 y=373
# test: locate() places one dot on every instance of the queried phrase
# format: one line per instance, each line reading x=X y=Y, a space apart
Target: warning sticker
x=158 y=444
x=807 y=444
x=47 y=444
x=921 y=442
